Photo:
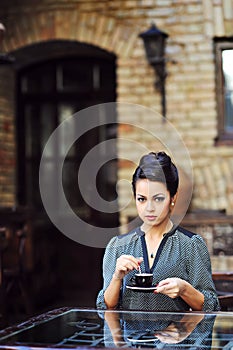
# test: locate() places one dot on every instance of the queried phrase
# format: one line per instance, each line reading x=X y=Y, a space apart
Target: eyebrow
x=156 y=195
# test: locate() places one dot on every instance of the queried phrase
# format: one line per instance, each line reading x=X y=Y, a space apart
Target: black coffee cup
x=144 y=279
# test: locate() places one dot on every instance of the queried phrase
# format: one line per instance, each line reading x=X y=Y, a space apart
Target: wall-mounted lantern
x=154 y=42
x=4 y=57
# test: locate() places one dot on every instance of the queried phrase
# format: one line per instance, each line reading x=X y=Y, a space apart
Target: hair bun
x=153 y=158
x=162 y=158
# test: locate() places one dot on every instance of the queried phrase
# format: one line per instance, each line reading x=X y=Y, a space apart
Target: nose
x=150 y=206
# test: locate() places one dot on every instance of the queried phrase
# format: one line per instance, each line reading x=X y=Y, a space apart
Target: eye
x=160 y=199
x=141 y=199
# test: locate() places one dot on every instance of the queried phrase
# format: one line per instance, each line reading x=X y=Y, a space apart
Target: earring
x=173 y=204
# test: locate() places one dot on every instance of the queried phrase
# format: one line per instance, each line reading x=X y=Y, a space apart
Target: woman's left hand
x=176 y=287
x=172 y=287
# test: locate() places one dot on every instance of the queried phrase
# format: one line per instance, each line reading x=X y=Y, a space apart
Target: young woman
x=178 y=259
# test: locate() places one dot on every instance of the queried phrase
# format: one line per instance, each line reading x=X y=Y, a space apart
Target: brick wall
x=190 y=86
x=7 y=137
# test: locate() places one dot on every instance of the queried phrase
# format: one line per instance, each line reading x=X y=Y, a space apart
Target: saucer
x=133 y=340
x=141 y=289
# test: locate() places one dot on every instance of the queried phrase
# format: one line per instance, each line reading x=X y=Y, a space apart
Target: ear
x=173 y=201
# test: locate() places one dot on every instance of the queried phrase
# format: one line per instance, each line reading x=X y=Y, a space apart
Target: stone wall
x=190 y=85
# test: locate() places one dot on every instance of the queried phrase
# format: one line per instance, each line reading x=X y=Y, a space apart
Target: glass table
x=89 y=328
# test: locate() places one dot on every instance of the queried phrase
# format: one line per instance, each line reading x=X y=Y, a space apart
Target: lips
x=151 y=217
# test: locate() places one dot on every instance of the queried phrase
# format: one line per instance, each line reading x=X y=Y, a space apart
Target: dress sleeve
x=109 y=264
x=201 y=274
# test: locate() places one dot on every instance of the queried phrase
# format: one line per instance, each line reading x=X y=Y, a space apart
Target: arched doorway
x=55 y=80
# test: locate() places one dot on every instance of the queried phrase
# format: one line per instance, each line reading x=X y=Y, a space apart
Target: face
x=153 y=202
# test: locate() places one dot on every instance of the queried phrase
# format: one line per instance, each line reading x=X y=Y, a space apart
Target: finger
x=163 y=283
x=125 y=266
x=129 y=261
x=128 y=258
x=164 y=289
x=130 y=266
x=140 y=260
x=133 y=262
x=120 y=269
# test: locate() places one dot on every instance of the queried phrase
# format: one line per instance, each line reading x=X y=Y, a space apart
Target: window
x=224 y=90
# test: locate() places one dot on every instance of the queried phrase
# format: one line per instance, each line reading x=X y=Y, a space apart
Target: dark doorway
x=54 y=81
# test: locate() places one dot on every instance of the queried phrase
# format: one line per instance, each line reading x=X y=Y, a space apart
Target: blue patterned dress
x=181 y=254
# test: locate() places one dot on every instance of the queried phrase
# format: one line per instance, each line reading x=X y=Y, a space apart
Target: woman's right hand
x=125 y=264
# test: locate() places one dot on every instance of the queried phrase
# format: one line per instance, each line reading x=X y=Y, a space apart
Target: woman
x=178 y=259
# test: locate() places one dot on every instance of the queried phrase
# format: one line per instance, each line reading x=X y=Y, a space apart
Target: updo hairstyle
x=157 y=167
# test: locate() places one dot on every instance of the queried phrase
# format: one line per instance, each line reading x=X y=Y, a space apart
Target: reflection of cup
x=143 y=279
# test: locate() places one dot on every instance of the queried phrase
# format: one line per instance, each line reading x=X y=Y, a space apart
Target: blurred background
x=60 y=57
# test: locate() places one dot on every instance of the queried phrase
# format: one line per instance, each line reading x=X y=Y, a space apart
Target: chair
x=224 y=286
x=3 y=311
x=226 y=302
x=15 y=294
x=14 y=273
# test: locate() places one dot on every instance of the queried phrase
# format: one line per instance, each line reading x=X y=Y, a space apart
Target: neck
x=153 y=236
x=157 y=231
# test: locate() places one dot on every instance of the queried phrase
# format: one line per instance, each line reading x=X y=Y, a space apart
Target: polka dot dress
x=181 y=254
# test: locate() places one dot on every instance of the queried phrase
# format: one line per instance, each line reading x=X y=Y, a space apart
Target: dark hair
x=157 y=167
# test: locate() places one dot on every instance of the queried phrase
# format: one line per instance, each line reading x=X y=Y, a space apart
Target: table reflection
x=89 y=328
x=172 y=331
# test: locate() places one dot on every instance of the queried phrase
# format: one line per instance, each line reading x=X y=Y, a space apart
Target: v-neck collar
x=160 y=248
